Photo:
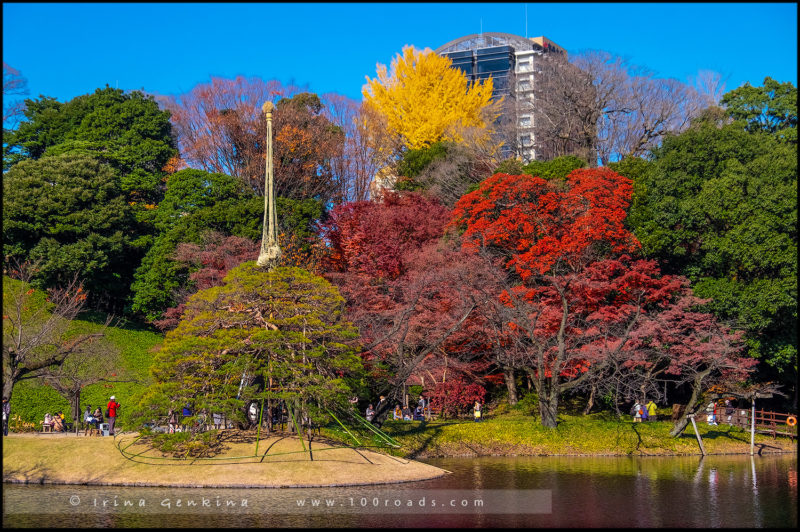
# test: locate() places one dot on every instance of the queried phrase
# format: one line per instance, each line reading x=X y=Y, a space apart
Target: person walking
x=728 y=410
x=636 y=411
x=6 y=415
x=370 y=413
x=381 y=411
x=476 y=411
x=711 y=413
x=421 y=404
x=112 y=408
x=651 y=411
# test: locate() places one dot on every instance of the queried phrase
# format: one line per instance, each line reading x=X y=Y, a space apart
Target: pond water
x=715 y=491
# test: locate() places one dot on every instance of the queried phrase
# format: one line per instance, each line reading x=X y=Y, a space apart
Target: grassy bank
x=70 y=459
x=519 y=435
x=31 y=399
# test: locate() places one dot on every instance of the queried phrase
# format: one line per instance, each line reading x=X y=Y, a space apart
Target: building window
x=524 y=86
x=525 y=121
x=525 y=140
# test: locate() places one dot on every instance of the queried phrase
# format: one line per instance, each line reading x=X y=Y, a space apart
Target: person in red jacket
x=112 y=407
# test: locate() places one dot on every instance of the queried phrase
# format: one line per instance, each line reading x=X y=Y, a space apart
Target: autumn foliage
x=220 y=127
x=424 y=99
x=411 y=295
x=548 y=226
x=374 y=239
x=575 y=296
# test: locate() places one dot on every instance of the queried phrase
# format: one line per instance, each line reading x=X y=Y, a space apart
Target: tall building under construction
x=517 y=66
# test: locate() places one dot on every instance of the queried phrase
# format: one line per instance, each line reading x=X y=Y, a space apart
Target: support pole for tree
x=752 y=423
x=260 y=417
x=270 y=250
x=697 y=433
x=78 y=408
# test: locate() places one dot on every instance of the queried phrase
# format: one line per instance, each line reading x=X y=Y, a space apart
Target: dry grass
x=35 y=458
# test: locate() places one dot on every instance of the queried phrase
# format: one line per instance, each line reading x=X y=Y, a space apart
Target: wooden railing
x=767 y=422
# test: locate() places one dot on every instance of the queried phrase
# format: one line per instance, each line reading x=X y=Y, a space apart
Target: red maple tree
x=407 y=291
x=573 y=296
x=217 y=255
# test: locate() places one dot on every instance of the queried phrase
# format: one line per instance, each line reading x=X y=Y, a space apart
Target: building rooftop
x=490 y=39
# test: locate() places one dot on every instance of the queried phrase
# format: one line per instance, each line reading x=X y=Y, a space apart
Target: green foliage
x=557 y=168
x=719 y=205
x=68 y=214
x=189 y=191
x=771 y=108
x=527 y=405
x=183 y=444
x=127 y=131
x=102 y=220
x=282 y=330
x=307 y=101
x=196 y=202
x=32 y=399
x=415 y=161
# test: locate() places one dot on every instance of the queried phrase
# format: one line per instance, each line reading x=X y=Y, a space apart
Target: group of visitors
x=172 y=419
x=711 y=412
x=203 y=420
x=644 y=412
x=56 y=422
x=92 y=418
x=377 y=415
x=406 y=414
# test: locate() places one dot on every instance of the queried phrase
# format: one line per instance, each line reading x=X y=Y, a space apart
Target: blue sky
x=65 y=50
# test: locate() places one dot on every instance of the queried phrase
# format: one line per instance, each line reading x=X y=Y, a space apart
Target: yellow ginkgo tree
x=424 y=99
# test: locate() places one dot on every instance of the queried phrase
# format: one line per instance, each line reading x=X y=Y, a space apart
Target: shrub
x=456 y=396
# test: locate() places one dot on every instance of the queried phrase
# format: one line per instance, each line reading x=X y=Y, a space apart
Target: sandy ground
x=281 y=462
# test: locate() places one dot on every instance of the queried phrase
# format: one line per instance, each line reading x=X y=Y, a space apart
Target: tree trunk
x=269 y=416
x=75 y=405
x=8 y=386
x=511 y=384
x=681 y=423
x=76 y=411
x=590 y=403
x=548 y=409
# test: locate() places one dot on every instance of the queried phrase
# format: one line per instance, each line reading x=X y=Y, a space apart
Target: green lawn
x=518 y=434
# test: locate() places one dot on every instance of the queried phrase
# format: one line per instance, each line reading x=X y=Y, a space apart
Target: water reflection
x=715 y=491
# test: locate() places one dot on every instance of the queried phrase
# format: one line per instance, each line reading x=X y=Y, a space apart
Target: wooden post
x=752 y=424
x=697 y=433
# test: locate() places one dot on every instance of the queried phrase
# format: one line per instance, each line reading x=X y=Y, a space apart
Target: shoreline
x=56 y=459
x=515 y=435
x=601 y=455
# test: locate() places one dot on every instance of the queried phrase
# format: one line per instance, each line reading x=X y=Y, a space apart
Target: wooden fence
x=767 y=422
